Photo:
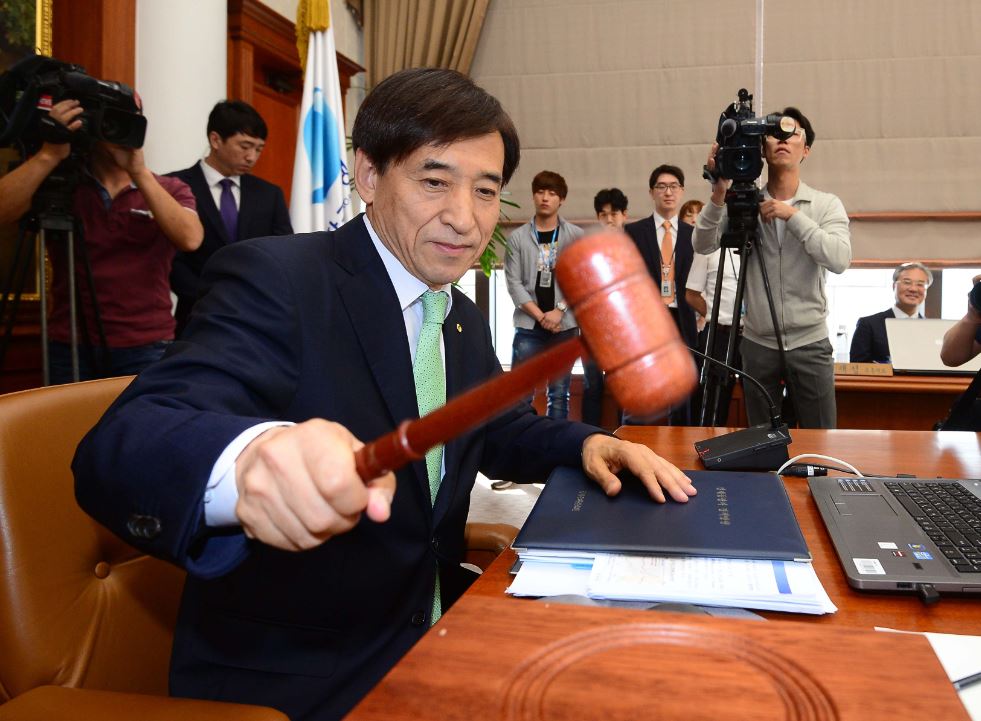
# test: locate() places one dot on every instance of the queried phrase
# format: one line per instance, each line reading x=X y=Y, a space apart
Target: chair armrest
x=486 y=541
x=77 y=704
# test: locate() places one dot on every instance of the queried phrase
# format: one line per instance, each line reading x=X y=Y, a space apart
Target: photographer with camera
x=803 y=233
x=132 y=222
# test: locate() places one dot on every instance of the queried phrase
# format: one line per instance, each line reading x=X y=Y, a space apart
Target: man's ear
x=365 y=176
x=807 y=151
x=213 y=139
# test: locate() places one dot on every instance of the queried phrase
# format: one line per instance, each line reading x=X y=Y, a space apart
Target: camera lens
x=742 y=161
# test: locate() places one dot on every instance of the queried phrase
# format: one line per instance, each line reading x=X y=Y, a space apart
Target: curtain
x=400 y=34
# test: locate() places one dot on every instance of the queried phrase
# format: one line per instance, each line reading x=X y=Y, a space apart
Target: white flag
x=321 y=194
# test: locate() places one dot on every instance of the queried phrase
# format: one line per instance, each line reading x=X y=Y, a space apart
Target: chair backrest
x=78 y=606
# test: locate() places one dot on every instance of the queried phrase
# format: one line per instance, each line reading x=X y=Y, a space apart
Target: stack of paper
x=767 y=585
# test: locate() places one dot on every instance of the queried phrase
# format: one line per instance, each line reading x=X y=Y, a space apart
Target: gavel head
x=624 y=323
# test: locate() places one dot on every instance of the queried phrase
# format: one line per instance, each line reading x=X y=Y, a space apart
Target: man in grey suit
x=233 y=204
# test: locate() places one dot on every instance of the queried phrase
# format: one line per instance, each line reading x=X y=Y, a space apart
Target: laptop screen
x=914 y=346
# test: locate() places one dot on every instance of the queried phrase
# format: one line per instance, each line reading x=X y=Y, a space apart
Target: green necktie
x=430 y=380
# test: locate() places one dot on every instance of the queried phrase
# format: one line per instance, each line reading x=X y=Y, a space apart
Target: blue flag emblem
x=319 y=133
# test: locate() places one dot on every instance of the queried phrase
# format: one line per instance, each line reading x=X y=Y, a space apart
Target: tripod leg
x=13 y=290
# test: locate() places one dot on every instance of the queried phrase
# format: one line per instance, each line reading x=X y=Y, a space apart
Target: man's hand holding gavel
x=299 y=485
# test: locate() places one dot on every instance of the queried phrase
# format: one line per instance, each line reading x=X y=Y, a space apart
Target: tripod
x=51 y=211
x=742 y=235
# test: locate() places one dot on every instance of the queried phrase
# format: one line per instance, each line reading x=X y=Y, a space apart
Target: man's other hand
x=770 y=209
x=298 y=486
x=66 y=113
x=129 y=159
x=720 y=185
x=603 y=456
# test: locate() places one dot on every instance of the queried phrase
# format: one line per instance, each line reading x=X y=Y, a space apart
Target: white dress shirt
x=221 y=494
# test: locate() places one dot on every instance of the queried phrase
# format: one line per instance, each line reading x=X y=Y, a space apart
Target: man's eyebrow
x=433 y=164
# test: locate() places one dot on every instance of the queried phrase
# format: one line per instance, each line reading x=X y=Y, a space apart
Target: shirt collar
x=659 y=221
x=212 y=177
x=900 y=313
x=408 y=288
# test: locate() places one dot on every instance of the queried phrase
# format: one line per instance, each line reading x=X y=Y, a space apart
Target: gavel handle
x=413 y=438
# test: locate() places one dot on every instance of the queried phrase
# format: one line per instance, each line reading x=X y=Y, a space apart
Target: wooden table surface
x=925 y=454
x=500 y=658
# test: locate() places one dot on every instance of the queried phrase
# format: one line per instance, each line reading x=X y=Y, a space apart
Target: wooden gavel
x=625 y=328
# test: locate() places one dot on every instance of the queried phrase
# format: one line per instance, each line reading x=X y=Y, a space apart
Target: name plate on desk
x=863 y=369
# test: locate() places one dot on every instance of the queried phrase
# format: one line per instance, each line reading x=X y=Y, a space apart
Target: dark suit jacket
x=291 y=329
x=262 y=212
x=644 y=234
x=869 y=344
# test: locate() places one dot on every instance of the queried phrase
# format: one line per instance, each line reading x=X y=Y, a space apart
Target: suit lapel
x=373 y=307
x=455 y=345
x=248 y=207
x=207 y=209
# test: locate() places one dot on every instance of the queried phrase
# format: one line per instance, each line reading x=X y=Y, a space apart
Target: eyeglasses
x=664 y=187
x=907 y=283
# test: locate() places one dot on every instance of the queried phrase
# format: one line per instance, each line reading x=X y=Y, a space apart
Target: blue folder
x=734 y=515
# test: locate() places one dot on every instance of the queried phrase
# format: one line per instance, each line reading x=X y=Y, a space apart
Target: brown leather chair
x=86 y=621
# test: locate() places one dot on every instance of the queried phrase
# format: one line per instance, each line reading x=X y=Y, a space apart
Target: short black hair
x=429 y=106
x=613 y=197
x=802 y=121
x=548 y=180
x=662 y=169
x=230 y=117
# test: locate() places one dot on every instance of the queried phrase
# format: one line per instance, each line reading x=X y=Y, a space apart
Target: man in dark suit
x=665 y=244
x=233 y=204
x=910 y=282
x=234 y=457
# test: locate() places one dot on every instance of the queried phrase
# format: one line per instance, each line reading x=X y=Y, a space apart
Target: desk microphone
x=758 y=448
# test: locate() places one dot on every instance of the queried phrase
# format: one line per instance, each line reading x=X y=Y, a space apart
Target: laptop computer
x=904 y=533
x=914 y=346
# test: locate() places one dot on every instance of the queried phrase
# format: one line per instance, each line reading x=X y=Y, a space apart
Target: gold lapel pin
x=459 y=328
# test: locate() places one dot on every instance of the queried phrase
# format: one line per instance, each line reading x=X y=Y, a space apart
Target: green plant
x=499 y=242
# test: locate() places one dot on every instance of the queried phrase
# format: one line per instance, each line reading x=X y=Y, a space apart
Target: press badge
x=667 y=285
x=545 y=279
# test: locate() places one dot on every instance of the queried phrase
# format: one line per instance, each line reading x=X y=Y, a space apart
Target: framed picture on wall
x=25 y=29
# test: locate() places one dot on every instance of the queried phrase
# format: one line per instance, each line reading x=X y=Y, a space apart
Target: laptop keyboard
x=950 y=515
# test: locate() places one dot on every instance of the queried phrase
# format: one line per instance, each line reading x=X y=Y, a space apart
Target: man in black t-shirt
x=541 y=316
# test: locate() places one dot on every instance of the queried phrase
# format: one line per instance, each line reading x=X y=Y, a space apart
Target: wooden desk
x=882 y=452
x=495 y=657
x=901 y=402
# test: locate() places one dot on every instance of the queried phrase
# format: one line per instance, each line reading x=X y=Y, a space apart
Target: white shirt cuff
x=221 y=493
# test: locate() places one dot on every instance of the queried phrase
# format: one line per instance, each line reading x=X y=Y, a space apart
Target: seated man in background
x=233 y=204
x=610 y=205
x=132 y=223
x=235 y=456
x=910 y=282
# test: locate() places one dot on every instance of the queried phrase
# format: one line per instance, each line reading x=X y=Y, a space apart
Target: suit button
x=418 y=618
x=435 y=544
x=145 y=527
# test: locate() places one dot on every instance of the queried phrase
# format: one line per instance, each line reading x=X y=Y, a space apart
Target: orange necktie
x=667 y=262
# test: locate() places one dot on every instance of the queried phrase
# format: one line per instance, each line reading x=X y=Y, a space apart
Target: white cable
x=847 y=465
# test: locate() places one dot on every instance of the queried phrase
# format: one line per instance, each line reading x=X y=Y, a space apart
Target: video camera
x=740 y=138
x=31 y=87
